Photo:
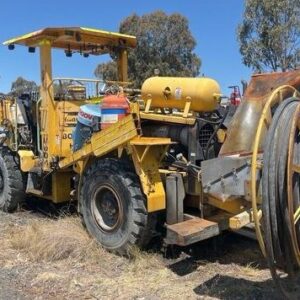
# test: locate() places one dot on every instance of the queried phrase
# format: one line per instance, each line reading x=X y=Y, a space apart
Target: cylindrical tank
x=175 y=92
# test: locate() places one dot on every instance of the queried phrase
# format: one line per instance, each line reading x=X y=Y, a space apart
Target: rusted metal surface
x=263 y=84
x=243 y=127
x=191 y=231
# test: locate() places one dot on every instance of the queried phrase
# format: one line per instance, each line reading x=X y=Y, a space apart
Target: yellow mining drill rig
x=127 y=156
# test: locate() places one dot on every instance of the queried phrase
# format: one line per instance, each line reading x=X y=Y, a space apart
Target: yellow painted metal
x=3 y=110
x=231 y=205
x=48 y=120
x=187 y=106
x=196 y=94
x=294 y=213
x=263 y=124
x=297 y=216
x=81 y=39
x=80 y=165
x=168 y=118
x=8 y=119
x=27 y=160
x=221 y=135
x=104 y=141
x=122 y=65
x=240 y=220
x=61 y=186
x=147 y=154
x=66 y=116
x=150 y=141
x=56 y=118
x=167 y=172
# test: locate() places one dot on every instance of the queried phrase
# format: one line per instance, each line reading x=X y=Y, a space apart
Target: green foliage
x=269 y=35
x=21 y=86
x=107 y=71
x=164 y=42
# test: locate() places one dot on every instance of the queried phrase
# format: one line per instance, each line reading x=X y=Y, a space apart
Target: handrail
x=77 y=79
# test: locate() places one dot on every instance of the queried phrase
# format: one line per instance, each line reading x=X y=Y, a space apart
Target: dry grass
x=66 y=241
x=52 y=240
x=57 y=259
x=143 y=261
x=250 y=270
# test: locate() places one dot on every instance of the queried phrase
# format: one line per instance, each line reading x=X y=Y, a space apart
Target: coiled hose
x=276 y=222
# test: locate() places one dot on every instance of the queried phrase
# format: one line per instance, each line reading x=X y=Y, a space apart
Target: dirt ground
x=46 y=258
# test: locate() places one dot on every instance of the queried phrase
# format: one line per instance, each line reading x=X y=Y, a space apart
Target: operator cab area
x=64 y=101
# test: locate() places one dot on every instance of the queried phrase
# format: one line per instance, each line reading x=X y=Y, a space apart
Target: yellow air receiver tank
x=175 y=92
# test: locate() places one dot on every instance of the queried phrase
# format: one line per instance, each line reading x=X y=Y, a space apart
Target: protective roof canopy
x=78 y=39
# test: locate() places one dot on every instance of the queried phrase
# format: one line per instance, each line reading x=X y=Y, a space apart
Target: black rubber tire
x=133 y=228
x=12 y=192
x=276 y=223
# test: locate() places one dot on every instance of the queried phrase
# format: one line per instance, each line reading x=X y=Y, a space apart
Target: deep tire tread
x=15 y=192
x=140 y=232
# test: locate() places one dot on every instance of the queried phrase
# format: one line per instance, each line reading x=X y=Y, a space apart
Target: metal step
x=34 y=192
x=191 y=231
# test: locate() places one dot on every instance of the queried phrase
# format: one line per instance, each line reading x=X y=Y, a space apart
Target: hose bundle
x=277 y=222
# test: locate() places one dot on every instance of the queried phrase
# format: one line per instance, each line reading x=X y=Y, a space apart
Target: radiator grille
x=205 y=133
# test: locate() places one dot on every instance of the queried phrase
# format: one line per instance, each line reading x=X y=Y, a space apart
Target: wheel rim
x=107 y=208
x=293 y=177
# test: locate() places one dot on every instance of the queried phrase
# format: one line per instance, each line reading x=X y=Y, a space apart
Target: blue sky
x=213 y=24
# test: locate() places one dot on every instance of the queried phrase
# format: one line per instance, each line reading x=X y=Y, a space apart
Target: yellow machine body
x=202 y=94
x=168 y=156
x=55 y=117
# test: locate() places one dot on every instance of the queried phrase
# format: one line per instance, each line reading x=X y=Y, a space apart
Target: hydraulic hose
x=215 y=131
x=276 y=223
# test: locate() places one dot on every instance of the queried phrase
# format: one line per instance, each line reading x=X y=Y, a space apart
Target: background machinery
x=166 y=153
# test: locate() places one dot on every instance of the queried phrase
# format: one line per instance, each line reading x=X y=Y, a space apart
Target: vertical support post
x=148 y=105
x=47 y=110
x=187 y=107
x=175 y=196
x=123 y=65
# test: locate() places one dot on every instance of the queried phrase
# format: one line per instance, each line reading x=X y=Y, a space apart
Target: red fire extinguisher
x=235 y=96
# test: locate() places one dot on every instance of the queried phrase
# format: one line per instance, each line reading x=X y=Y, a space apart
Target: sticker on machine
x=178 y=93
x=113 y=118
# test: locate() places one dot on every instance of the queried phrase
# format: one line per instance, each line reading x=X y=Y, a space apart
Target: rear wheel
x=113 y=206
x=12 y=191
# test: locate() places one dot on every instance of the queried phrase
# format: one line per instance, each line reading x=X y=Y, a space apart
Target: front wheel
x=113 y=206
x=12 y=190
